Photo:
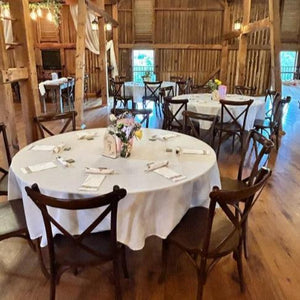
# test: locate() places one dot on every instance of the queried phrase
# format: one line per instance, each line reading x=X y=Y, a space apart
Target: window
x=143 y=64
x=288 y=60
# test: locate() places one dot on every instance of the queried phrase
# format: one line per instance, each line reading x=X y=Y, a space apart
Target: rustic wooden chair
x=206 y=235
x=67 y=251
x=86 y=87
x=119 y=93
x=12 y=218
x=167 y=91
x=182 y=86
x=176 y=78
x=193 y=126
x=44 y=122
x=245 y=90
x=199 y=89
x=272 y=125
x=152 y=89
x=254 y=157
x=68 y=94
x=270 y=99
x=143 y=114
x=172 y=120
x=235 y=125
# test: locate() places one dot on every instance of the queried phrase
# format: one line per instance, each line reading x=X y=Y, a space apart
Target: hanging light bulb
x=95 y=25
x=33 y=15
x=108 y=27
x=39 y=12
x=6 y=12
x=237 y=24
x=49 y=16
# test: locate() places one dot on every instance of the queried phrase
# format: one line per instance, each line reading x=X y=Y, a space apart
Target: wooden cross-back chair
x=176 y=78
x=119 y=93
x=235 y=125
x=270 y=99
x=151 y=93
x=3 y=171
x=198 y=89
x=245 y=90
x=45 y=121
x=194 y=127
x=143 y=114
x=68 y=94
x=272 y=126
x=206 y=235
x=255 y=156
x=172 y=115
x=183 y=87
x=67 y=251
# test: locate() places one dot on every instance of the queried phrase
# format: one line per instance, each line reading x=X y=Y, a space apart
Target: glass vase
x=125 y=148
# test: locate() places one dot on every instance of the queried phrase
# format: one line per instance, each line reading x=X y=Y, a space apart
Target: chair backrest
x=194 y=127
x=118 y=89
x=172 y=115
x=152 y=89
x=279 y=105
x=142 y=114
x=270 y=99
x=176 y=78
x=198 y=89
x=46 y=123
x=109 y=201
x=240 y=120
x=5 y=142
x=182 y=87
x=245 y=90
x=254 y=157
x=229 y=203
x=167 y=91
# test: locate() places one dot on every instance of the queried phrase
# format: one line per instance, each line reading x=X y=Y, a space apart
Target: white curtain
x=8 y=33
x=92 y=38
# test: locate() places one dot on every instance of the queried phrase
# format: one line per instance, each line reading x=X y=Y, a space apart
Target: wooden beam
x=56 y=45
x=183 y=9
x=25 y=57
x=7 y=111
x=210 y=75
x=231 y=35
x=102 y=57
x=290 y=47
x=80 y=60
x=13 y=74
x=100 y=12
x=256 y=26
x=275 y=42
x=116 y=33
x=171 y=46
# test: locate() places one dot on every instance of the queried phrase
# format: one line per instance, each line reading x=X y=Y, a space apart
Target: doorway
x=143 y=65
x=288 y=61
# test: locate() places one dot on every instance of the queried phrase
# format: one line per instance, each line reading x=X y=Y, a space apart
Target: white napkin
x=156 y=165
x=194 y=151
x=38 y=167
x=86 y=135
x=170 y=174
x=167 y=136
x=92 y=183
x=62 y=161
x=42 y=88
x=42 y=148
x=105 y=171
x=59 y=148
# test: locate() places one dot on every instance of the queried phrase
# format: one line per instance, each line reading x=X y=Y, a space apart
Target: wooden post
x=102 y=56
x=25 y=57
x=7 y=112
x=243 y=44
x=80 y=60
x=224 y=53
x=116 y=32
x=275 y=44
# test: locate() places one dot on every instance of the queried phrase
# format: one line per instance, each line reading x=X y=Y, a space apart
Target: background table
x=137 y=90
x=202 y=103
x=153 y=206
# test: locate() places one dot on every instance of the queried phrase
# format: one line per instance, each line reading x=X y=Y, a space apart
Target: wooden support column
x=7 y=112
x=102 y=56
x=275 y=42
x=224 y=53
x=80 y=60
x=243 y=44
x=116 y=32
x=25 y=57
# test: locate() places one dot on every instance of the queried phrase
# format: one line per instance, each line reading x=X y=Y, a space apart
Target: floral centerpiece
x=125 y=129
x=213 y=84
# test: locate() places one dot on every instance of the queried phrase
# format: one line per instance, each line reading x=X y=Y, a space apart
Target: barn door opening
x=288 y=60
x=143 y=65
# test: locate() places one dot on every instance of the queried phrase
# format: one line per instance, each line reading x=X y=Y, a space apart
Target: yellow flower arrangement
x=213 y=84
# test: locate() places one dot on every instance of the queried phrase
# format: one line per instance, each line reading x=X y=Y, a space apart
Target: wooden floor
x=271 y=272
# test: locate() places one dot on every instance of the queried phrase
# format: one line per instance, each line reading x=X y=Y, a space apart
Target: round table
x=154 y=204
x=202 y=103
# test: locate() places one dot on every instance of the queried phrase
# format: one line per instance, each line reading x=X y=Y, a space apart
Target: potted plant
x=147 y=76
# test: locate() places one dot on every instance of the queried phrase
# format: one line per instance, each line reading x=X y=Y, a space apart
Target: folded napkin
x=170 y=174
x=105 y=171
x=59 y=148
x=63 y=161
x=92 y=183
x=192 y=151
x=167 y=136
x=156 y=165
x=86 y=135
x=42 y=148
x=38 y=167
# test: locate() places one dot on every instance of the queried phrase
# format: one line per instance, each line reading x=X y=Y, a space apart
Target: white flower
x=112 y=118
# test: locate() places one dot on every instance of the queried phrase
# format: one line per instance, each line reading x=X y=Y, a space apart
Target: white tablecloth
x=153 y=205
x=51 y=82
x=137 y=90
x=202 y=103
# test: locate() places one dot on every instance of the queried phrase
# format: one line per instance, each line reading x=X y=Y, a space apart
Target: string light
x=237 y=24
x=108 y=27
x=49 y=16
x=33 y=15
x=95 y=24
x=39 y=12
x=6 y=12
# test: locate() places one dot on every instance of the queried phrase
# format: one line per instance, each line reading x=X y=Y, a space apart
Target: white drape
x=8 y=33
x=92 y=38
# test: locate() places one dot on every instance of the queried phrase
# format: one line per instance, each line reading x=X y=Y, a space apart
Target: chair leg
x=124 y=263
x=219 y=143
x=41 y=260
x=52 y=287
x=201 y=278
x=118 y=295
x=165 y=250
x=240 y=268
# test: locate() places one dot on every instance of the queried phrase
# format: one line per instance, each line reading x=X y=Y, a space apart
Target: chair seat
x=68 y=253
x=12 y=218
x=3 y=184
x=266 y=123
x=228 y=127
x=230 y=184
x=189 y=234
